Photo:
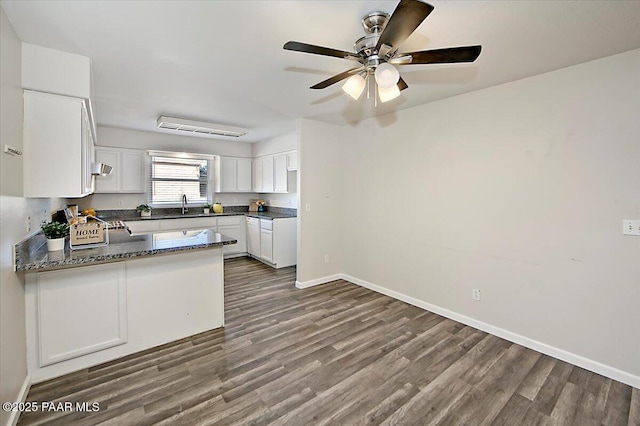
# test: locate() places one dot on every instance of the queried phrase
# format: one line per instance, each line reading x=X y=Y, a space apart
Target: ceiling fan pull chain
x=375 y=96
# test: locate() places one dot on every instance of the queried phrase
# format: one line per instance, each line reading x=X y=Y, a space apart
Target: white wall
x=15 y=212
x=276 y=145
x=320 y=180
x=517 y=190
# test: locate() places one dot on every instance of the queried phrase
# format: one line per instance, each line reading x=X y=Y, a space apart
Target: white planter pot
x=55 y=244
x=206 y=211
x=145 y=214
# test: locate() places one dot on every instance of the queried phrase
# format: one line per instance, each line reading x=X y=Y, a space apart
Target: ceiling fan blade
x=444 y=56
x=336 y=78
x=402 y=84
x=319 y=50
x=408 y=15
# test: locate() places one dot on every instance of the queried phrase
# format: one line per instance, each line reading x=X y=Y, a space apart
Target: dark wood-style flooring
x=335 y=354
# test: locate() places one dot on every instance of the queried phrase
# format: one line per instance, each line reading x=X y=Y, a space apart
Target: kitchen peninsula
x=85 y=307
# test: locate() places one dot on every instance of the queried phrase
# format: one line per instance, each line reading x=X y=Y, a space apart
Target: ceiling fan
x=377 y=52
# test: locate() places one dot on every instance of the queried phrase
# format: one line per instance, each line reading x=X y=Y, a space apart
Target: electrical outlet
x=326 y=258
x=28 y=224
x=307 y=207
x=121 y=203
x=289 y=202
x=235 y=201
x=475 y=294
x=631 y=227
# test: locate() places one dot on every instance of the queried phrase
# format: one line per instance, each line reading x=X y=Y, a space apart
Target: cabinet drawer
x=229 y=220
x=143 y=226
x=187 y=223
x=266 y=224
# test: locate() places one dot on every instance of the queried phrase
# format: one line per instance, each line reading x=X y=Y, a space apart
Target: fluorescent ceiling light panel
x=199 y=127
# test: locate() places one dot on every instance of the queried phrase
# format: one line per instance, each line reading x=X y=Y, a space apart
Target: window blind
x=171 y=177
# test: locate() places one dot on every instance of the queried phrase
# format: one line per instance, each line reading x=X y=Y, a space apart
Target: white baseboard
x=318 y=281
x=22 y=397
x=561 y=354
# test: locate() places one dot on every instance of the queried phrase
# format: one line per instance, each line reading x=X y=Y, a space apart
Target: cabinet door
x=280 y=173
x=228 y=168
x=86 y=147
x=236 y=233
x=257 y=175
x=52 y=145
x=108 y=183
x=244 y=175
x=266 y=245
x=267 y=174
x=292 y=161
x=132 y=172
x=253 y=236
x=96 y=295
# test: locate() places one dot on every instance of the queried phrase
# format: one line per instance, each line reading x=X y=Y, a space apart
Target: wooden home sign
x=90 y=234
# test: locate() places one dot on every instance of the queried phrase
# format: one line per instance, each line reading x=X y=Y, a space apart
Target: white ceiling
x=222 y=61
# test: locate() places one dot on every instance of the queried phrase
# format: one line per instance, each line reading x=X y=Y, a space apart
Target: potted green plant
x=144 y=210
x=208 y=208
x=56 y=232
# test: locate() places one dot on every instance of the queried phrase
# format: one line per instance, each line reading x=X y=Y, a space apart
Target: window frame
x=180 y=155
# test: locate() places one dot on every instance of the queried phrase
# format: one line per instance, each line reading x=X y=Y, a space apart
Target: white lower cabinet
x=277 y=241
x=253 y=236
x=271 y=240
x=87 y=315
x=231 y=226
x=80 y=311
x=234 y=227
x=266 y=240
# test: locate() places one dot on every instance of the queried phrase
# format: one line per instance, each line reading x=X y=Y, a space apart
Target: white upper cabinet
x=267 y=174
x=280 y=173
x=270 y=172
x=128 y=174
x=227 y=173
x=233 y=174
x=292 y=161
x=59 y=129
x=58 y=147
x=244 y=182
x=256 y=185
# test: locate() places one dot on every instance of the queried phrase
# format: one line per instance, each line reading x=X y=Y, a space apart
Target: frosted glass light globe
x=354 y=86
x=388 y=94
x=387 y=75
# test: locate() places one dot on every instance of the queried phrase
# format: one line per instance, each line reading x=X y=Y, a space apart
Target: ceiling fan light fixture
x=388 y=94
x=354 y=86
x=387 y=76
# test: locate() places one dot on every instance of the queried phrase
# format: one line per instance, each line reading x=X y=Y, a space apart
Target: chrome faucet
x=185 y=209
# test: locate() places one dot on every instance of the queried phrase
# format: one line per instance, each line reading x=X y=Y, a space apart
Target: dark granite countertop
x=262 y=215
x=32 y=254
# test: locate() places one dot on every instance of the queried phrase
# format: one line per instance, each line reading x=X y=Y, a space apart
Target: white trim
x=318 y=281
x=22 y=397
x=561 y=354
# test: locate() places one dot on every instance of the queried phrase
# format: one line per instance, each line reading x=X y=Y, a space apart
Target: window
x=174 y=175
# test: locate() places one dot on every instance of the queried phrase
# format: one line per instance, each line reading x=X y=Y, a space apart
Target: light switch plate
x=631 y=227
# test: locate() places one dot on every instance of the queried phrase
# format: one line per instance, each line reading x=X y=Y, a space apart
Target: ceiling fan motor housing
x=373 y=24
